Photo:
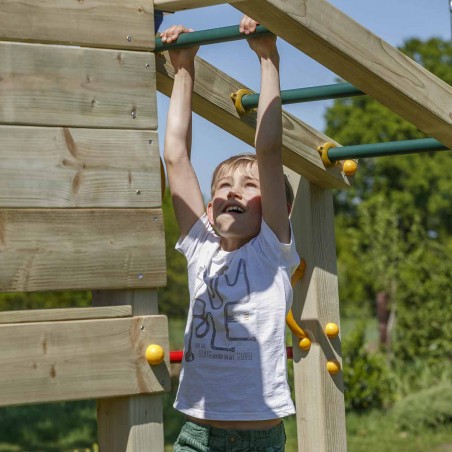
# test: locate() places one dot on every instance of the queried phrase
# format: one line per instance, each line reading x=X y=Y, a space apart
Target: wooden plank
x=58 y=315
x=212 y=101
x=71 y=249
x=82 y=359
x=131 y=424
x=79 y=87
x=100 y=23
x=180 y=5
x=319 y=395
x=363 y=59
x=61 y=167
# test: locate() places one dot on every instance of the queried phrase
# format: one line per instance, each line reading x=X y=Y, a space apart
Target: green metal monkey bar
x=249 y=101
x=385 y=149
x=245 y=100
x=210 y=36
x=308 y=94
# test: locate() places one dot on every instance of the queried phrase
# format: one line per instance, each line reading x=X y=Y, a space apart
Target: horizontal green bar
x=211 y=36
x=308 y=94
x=385 y=149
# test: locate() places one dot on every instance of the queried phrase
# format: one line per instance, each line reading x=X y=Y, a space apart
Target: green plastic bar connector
x=385 y=149
x=211 y=36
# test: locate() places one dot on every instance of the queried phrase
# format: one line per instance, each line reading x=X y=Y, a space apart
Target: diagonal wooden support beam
x=338 y=42
x=212 y=101
x=180 y=5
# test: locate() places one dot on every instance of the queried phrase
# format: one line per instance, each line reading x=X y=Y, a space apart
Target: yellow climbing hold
x=155 y=354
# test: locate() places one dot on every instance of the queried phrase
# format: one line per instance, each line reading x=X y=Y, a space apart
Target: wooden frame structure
x=80 y=198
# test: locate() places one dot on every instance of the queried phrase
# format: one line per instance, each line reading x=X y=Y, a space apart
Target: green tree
x=397 y=212
x=424 y=316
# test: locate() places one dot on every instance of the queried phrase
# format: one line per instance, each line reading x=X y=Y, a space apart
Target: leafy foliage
x=367 y=380
x=50 y=427
x=424 y=314
x=430 y=408
x=394 y=225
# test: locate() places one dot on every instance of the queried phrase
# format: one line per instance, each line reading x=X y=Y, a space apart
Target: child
x=241 y=254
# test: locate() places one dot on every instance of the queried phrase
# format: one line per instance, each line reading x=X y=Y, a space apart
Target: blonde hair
x=243 y=160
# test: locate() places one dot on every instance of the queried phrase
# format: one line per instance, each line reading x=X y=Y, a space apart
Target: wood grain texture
x=58 y=315
x=77 y=249
x=64 y=168
x=180 y=5
x=338 y=42
x=132 y=424
x=212 y=101
x=319 y=395
x=79 y=87
x=84 y=359
x=96 y=23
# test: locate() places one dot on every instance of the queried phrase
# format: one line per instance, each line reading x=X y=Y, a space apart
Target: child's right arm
x=184 y=186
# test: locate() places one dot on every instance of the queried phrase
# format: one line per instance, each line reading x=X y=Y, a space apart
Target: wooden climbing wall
x=81 y=209
x=80 y=197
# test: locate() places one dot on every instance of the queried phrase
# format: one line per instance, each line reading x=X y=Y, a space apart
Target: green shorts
x=201 y=438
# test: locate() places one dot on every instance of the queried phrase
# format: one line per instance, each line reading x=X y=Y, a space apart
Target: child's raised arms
x=186 y=194
x=268 y=140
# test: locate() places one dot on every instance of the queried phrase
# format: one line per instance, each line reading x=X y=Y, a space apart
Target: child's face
x=235 y=209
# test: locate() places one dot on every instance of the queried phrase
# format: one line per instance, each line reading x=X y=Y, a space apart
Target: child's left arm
x=268 y=140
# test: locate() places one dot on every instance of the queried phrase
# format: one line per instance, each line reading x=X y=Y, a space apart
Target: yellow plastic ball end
x=333 y=367
x=350 y=167
x=155 y=354
x=331 y=330
x=305 y=343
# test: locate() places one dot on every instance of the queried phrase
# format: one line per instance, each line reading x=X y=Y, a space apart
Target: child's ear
x=209 y=211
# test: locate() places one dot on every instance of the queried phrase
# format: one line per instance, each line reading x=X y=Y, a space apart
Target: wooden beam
x=212 y=101
x=338 y=42
x=319 y=395
x=58 y=315
x=82 y=359
x=180 y=5
x=130 y=423
x=103 y=23
x=78 y=249
x=64 y=168
x=51 y=85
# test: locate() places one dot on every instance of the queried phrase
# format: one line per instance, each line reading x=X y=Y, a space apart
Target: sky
x=395 y=21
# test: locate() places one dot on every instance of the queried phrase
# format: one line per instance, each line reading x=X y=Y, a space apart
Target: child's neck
x=232 y=244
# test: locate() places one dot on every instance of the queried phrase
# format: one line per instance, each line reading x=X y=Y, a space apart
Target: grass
x=377 y=431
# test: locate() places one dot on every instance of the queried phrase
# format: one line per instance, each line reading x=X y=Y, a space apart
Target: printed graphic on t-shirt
x=223 y=317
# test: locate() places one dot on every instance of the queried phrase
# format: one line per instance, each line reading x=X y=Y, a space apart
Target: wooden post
x=131 y=424
x=319 y=395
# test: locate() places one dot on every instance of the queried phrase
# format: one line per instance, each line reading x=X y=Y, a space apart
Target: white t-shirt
x=235 y=364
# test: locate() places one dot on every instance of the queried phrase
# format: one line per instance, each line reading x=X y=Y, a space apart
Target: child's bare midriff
x=238 y=425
